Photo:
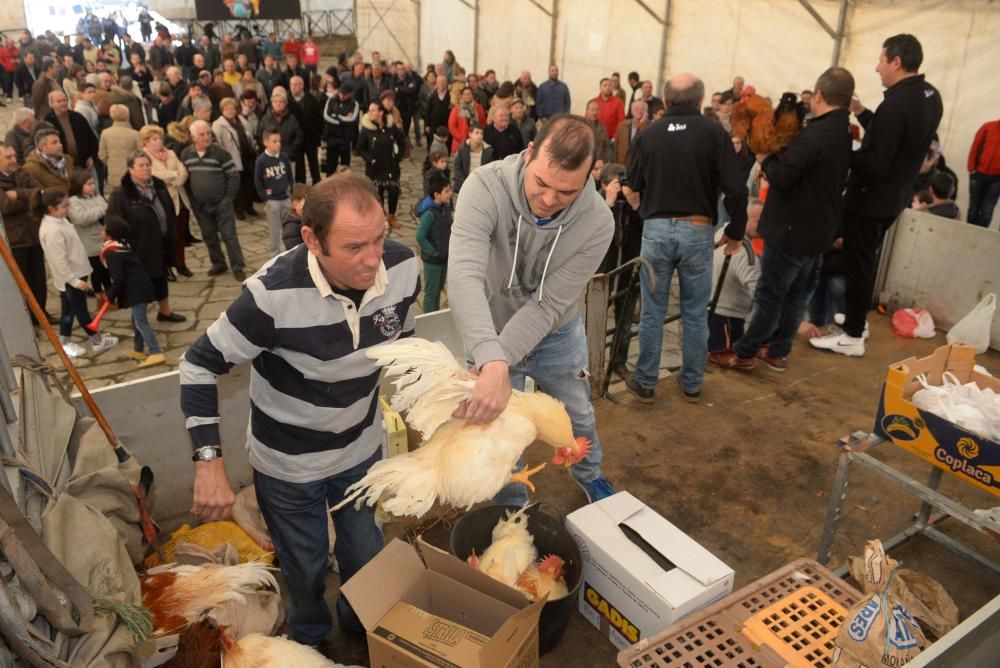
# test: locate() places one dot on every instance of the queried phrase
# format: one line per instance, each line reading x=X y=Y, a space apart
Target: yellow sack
x=211 y=535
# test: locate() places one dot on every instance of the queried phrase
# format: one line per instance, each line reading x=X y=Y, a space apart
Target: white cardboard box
x=640 y=572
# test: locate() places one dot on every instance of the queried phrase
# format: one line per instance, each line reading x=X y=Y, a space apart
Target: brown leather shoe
x=779 y=364
x=393 y=223
x=730 y=360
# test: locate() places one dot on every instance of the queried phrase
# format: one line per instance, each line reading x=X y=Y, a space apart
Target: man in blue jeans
x=304 y=321
x=799 y=222
x=679 y=165
x=528 y=233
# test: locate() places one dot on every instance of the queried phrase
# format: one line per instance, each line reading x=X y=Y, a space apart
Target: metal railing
x=320 y=23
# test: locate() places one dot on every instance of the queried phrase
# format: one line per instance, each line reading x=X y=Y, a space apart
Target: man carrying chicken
x=304 y=321
x=528 y=233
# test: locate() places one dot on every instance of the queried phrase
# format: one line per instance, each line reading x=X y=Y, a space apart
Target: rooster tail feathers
x=405 y=484
x=429 y=382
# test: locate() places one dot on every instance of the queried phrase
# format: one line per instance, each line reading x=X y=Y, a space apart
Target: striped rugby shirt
x=313 y=391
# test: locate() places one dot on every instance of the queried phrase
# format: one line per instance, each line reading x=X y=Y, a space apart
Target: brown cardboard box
x=442 y=614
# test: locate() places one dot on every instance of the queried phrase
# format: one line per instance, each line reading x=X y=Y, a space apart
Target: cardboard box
x=396 y=438
x=968 y=456
x=640 y=573
x=445 y=614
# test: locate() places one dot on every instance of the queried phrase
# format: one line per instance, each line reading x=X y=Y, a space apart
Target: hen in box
x=640 y=572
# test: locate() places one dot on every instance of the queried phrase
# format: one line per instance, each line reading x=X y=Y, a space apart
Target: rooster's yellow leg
x=524 y=476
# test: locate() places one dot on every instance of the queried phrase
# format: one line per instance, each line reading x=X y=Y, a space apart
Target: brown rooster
x=544 y=578
x=766 y=130
x=177 y=595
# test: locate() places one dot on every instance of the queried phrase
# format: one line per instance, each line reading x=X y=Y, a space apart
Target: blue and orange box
x=967 y=456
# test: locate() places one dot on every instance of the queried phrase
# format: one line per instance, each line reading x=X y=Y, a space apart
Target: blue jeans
x=559 y=366
x=74 y=306
x=779 y=303
x=984 y=191
x=828 y=299
x=676 y=245
x=142 y=332
x=295 y=514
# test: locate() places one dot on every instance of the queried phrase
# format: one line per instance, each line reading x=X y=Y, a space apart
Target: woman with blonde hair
x=232 y=134
x=168 y=168
x=116 y=143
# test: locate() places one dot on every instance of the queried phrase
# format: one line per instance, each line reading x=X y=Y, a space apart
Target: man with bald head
x=309 y=113
x=679 y=165
x=78 y=138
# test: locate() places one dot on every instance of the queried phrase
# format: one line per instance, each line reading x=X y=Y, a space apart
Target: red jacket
x=292 y=47
x=8 y=58
x=310 y=54
x=459 y=127
x=984 y=156
x=611 y=113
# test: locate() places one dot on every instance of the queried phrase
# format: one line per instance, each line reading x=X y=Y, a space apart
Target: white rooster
x=511 y=552
x=459 y=463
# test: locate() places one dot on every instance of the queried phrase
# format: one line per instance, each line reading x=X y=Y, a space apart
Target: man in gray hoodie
x=529 y=231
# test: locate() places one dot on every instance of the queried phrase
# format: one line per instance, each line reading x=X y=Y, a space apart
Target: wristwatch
x=207 y=453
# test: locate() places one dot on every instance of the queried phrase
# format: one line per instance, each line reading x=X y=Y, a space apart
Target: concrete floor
x=748 y=474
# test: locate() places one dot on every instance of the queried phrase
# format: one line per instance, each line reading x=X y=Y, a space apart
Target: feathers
x=178 y=594
x=430 y=382
x=544 y=578
x=767 y=130
x=512 y=549
x=199 y=645
x=260 y=651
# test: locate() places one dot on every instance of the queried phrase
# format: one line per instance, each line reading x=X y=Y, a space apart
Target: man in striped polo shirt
x=304 y=321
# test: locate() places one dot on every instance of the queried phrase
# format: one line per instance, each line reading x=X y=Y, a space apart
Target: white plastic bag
x=974 y=328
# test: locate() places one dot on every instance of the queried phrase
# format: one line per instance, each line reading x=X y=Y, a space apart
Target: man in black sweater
x=502 y=136
x=883 y=172
x=799 y=222
x=679 y=165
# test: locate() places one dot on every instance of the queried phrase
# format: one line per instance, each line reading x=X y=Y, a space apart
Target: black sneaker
x=171 y=317
x=184 y=271
x=690 y=397
x=645 y=394
x=218 y=269
x=239 y=275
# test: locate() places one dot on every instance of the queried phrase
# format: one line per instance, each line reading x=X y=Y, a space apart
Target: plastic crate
x=801 y=627
x=714 y=637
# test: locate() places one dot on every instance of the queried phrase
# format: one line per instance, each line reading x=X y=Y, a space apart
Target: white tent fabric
x=774 y=44
x=389 y=27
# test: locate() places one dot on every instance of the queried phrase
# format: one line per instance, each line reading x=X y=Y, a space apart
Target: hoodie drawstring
x=548 y=258
x=517 y=242
x=541 y=286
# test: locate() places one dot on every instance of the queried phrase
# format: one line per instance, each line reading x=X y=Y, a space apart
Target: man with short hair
x=652 y=102
x=984 y=174
x=75 y=133
x=17 y=187
x=806 y=98
x=883 y=172
x=47 y=163
x=212 y=186
x=25 y=75
x=737 y=88
x=627 y=130
x=45 y=84
x=679 y=166
x=340 y=131
x=800 y=221
x=21 y=137
x=304 y=322
x=121 y=93
x=280 y=116
x=610 y=110
x=197 y=65
x=553 y=96
x=269 y=75
x=376 y=84
x=86 y=106
x=406 y=84
x=502 y=136
x=528 y=234
x=309 y=113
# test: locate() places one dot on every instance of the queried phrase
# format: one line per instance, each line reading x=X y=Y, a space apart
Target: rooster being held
x=459 y=463
x=510 y=553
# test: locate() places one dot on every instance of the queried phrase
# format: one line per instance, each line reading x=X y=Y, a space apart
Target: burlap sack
x=246 y=513
x=879 y=630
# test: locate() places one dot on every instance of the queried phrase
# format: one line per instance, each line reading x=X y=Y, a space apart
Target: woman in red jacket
x=467 y=110
x=8 y=64
x=984 y=174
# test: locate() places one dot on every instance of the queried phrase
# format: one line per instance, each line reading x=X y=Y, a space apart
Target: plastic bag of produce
x=913 y=323
x=878 y=631
x=974 y=328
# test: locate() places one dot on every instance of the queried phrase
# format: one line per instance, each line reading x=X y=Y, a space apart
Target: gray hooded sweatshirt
x=512 y=281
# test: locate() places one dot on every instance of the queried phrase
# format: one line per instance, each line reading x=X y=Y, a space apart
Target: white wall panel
x=514 y=35
x=447 y=24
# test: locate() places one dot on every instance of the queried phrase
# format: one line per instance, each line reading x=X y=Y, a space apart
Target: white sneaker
x=839 y=318
x=107 y=341
x=74 y=349
x=840 y=342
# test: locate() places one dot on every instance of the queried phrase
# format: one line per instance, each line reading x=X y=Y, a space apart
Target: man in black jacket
x=502 y=136
x=78 y=138
x=406 y=85
x=340 y=127
x=883 y=172
x=309 y=113
x=679 y=165
x=799 y=222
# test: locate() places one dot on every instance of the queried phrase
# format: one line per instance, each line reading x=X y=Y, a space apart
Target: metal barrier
x=320 y=23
